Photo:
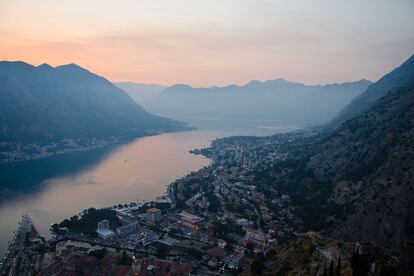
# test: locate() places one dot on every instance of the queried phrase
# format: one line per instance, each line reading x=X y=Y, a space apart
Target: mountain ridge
x=141 y=92
x=278 y=80
x=52 y=103
x=388 y=83
x=277 y=99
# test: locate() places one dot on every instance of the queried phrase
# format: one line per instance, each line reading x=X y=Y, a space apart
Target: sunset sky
x=211 y=42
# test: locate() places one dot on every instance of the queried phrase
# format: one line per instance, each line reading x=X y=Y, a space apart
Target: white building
x=128 y=229
x=189 y=220
x=103 y=230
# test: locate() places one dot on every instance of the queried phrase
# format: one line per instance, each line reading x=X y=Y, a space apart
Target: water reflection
x=27 y=177
x=138 y=170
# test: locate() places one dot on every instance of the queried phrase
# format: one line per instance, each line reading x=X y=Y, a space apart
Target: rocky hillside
x=370 y=162
x=357 y=182
x=391 y=81
x=307 y=254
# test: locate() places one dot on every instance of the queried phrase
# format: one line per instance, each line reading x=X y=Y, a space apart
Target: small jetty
x=25 y=232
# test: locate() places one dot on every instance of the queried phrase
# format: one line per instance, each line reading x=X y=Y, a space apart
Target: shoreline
x=15 y=154
x=165 y=185
x=168 y=194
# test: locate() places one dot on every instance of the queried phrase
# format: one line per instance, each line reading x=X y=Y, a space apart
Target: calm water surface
x=139 y=170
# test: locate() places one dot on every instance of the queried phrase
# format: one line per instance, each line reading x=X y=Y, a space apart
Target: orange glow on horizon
x=189 y=42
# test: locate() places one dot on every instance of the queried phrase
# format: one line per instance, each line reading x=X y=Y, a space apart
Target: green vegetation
x=99 y=253
x=221 y=230
x=214 y=202
x=258 y=264
x=88 y=223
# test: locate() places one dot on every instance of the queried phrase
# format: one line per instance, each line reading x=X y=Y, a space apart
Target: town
x=18 y=152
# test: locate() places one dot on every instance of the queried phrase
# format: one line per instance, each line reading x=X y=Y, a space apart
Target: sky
x=212 y=42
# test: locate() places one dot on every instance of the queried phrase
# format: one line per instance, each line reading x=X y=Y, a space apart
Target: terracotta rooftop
x=153 y=210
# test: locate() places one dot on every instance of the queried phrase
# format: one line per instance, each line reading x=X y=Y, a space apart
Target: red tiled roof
x=153 y=210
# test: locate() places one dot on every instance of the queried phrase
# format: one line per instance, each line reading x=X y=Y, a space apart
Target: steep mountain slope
x=47 y=104
x=396 y=78
x=141 y=92
x=303 y=256
x=357 y=182
x=370 y=161
x=278 y=99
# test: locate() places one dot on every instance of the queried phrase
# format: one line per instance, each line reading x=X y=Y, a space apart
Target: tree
x=250 y=248
x=228 y=247
x=359 y=264
x=26 y=239
x=331 y=269
x=258 y=264
x=99 y=253
x=124 y=258
x=55 y=228
x=338 y=266
x=162 y=250
x=257 y=267
x=270 y=253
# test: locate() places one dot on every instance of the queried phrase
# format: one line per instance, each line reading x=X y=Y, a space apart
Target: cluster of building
x=71 y=262
x=14 y=152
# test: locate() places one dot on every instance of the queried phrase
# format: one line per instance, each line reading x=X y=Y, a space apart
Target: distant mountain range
x=47 y=103
x=141 y=92
x=276 y=100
